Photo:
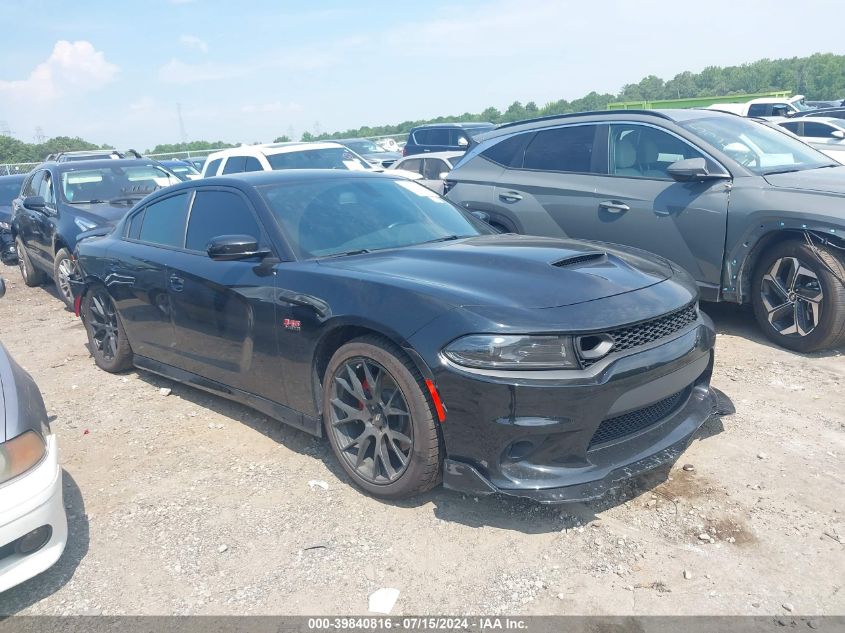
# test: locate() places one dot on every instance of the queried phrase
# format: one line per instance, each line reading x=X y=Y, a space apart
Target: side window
x=252 y=164
x=759 y=109
x=640 y=151
x=164 y=221
x=216 y=213
x=792 y=126
x=508 y=152
x=433 y=168
x=32 y=185
x=567 y=149
x=234 y=165
x=421 y=137
x=438 y=136
x=415 y=164
x=45 y=189
x=213 y=166
x=133 y=231
x=818 y=130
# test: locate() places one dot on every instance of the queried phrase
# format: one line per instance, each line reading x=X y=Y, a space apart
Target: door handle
x=510 y=196
x=177 y=284
x=614 y=206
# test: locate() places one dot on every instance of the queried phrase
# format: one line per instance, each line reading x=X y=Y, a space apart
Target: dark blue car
x=10 y=187
x=60 y=200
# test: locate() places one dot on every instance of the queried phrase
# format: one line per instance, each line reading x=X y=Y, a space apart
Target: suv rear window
x=567 y=149
x=432 y=136
x=507 y=152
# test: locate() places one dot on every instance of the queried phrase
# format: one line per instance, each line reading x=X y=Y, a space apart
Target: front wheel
x=379 y=421
x=106 y=337
x=63 y=270
x=798 y=295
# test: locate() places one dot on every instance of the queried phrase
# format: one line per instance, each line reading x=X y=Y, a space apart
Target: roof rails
x=94 y=153
x=553 y=117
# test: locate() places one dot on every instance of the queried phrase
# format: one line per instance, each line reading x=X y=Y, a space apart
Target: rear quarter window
x=507 y=152
x=213 y=166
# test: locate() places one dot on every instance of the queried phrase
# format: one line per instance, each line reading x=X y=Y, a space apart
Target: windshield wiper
x=125 y=199
x=95 y=201
x=447 y=238
x=360 y=251
x=780 y=171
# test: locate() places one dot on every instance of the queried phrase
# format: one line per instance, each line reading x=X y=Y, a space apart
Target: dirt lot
x=186 y=503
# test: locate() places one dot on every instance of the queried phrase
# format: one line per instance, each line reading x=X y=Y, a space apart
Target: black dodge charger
x=426 y=346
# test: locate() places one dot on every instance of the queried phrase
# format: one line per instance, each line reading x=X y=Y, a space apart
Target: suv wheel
x=32 y=276
x=379 y=420
x=63 y=270
x=798 y=296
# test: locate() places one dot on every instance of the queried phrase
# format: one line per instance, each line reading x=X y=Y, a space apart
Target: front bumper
x=32 y=500
x=543 y=438
x=8 y=254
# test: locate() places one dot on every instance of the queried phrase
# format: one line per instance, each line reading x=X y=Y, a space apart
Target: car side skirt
x=273 y=409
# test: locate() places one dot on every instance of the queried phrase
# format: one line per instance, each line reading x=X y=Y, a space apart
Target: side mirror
x=34 y=203
x=689 y=169
x=442 y=175
x=2 y=287
x=838 y=134
x=462 y=142
x=233 y=247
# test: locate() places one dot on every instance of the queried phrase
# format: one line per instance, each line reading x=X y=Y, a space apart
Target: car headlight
x=494 y=351
x=20 y=454
x=84 y=225
x=5 y=226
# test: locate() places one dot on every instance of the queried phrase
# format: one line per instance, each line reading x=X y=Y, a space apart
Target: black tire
x=32 y=276
x=424 y=457
x=97 y=310
x=63 y=266
x=815 y=296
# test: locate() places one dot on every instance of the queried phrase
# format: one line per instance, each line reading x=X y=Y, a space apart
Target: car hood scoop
x=512 y=270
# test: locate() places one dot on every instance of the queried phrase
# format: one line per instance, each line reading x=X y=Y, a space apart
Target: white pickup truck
x=765 y=106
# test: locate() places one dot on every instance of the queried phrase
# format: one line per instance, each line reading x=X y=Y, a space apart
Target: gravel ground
x=188 y=504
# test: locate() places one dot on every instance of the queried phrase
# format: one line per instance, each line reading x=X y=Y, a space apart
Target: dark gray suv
x=754 y=214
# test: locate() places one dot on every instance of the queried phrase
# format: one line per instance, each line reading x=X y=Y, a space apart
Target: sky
x=249 y=71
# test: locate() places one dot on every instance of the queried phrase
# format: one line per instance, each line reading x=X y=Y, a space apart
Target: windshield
x=802 y=106
x=9 y=190
x=756 y=146
x=365 y=147
x=333 y=216
x=328 y=158
x=182 y=170
x=113 y=183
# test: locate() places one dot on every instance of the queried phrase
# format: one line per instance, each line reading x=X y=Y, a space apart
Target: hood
x=826 y=179
x=383 y=156
x=102 y=213
x=513 y=270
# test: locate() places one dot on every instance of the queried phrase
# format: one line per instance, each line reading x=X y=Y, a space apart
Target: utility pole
x=5 y=130
x=40 y=137
x=182 y=131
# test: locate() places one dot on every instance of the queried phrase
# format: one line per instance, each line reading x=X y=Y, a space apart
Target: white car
x=825 y=134
x=431 y=168
x=33 y=524
x=274 y=156
x=765 y=106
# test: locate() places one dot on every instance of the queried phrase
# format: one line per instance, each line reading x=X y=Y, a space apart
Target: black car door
x=23 y=218
x=138 y=276
x=44 y=223
x=224 y=311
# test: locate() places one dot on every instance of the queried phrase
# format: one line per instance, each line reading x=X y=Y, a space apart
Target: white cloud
x=193 y=42
x=71 y=66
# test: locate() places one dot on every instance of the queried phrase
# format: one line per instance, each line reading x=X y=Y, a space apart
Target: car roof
x=449 y=154
x=259 y=178
x=14 y=176
x=457 y=124
x=270 y=149
x=95 y=163
x=823 y=119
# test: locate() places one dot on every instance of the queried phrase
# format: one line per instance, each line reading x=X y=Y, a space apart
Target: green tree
x=282 y=139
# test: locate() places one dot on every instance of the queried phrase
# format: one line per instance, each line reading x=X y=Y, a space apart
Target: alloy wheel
x=65 y=271
x=792 y=297
x=21 y=261
x=371 y=421
x=103 y=323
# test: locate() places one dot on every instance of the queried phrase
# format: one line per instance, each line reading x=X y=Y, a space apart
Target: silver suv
x=754 y=214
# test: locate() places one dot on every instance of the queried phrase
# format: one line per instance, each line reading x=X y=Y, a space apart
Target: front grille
x=642 y=333
x=635 y=421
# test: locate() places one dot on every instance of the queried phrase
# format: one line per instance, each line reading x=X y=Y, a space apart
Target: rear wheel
x=106 y=337
x=379 y=421
x=63 y=269
x=32 y=276
x=798 y=296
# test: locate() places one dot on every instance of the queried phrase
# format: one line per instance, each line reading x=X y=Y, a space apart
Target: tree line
x=820 y=77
